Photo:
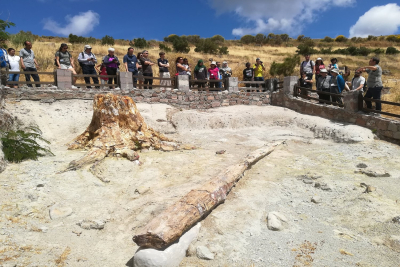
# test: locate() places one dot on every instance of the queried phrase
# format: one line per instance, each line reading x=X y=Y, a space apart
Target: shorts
x=65 y=67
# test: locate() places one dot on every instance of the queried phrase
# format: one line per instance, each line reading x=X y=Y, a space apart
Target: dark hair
x=178 y=58
x=130 y=48
x=161 y=53
x=186 y=59
x=61 y=47
x=248 y=64
x=10 y=49
x=26 y=42
x=376 y=59
x=332 y=59
x=138 y=54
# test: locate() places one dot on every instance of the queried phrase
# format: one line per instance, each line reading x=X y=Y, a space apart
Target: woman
x=319 y=65
x=188 y=72
x=14 y=66
x=305 y=83
x=112 y=64
x=200 y=73
x=213 y=72
x=140 y=70
x=180 y=68
x=333 y=65
x=65 y=61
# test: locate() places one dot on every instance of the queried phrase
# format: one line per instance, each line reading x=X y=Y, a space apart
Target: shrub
x=391 y=38
x=304 y=49
x=107 y=40
x=207 y=46
x=223 y=50
x=260 y=38
x=170 y=38
x=248 y=39
x=300 y=38
x=372 y=38
x=19 y=38
x=284 y=37
x=180 y=44
x=140 y=43
x=194 y=39
x=164 y=48
x=21 y=144
x=378 y=51
x=326 y=51
x=286 y=68
x=392 y=51
x=4 y=36
x=74 y=39
x=341 y=39
x=327 y=39
x=218 y=39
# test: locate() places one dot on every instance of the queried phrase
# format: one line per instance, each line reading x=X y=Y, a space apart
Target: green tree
x=300 y=37
x=164 y=48
x=170 y=38
x=223 y=50
x=4 y=35
x=140 y=43
x=260 y=38
x=286 y=68
x=341 y=39
x=285 y=37
x=372 y=38
x=248 y=39
x=19 y=38
x=193 y=39
x=207 y=46
x=327 y=39
x=218 y=39
x=107 y=40
x=180 y=45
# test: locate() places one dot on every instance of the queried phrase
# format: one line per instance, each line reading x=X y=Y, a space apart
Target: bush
x=180 y=44
x=286 y=68
x=140 y=43
x=164 y=48
x=4 y=36
x=372 y=38
x=218 y=39
x=248 y=39
x=391 y=38
x=392 y=51
x=107 y=40
x=223 y=50
x=260 y=38
x=193 y=39
x=378 y=51
x=284 y=37
x=341 y=39
x=304 y=49
x=300 y=38
x=19 y=38
x=327 y=39
x=21 y=144
x=74 y=39
x=170 y=38
x=207 y=46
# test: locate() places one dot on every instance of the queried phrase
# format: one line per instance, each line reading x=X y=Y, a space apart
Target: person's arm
x=58 y=61
x=263 y=68
x=181 y=66
x=22 y=63
x=82 y=59
x=106 y=60
x=37 y=65
x=313 y=69
x=116 y=58
x=362 y=82
x=148 y=62
x=71 y=59
x=94 y=59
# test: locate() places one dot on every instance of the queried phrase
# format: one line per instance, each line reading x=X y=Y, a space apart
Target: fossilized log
x=117 y=128
x=168 y=226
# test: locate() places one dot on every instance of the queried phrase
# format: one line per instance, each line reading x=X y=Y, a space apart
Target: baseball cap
x=213 y=63
x=88 y=47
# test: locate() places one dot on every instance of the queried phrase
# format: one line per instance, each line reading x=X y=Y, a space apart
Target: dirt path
x=236 y=232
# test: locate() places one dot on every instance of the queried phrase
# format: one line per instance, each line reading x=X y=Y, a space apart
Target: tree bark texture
x=168 y=226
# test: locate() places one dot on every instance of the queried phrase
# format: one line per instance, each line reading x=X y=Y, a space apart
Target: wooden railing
x=143 y=78
x=195 y=85
x=361 y=106
x=52 y=73
x=94 y=75
x=297 y=94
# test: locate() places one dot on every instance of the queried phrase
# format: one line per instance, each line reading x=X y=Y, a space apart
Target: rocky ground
x=323 y=207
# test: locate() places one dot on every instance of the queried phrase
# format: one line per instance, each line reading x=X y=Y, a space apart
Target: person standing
x=163 y=65
x=307 y=67
x=319 y=65
x=374 y=82
x=140 y=70
x=65 y=61
x=29 y=63
x=14 y=66
x=358 y=82
x=337 y=86
x=112 y=64
x=180 y=68
x=87 y=60
x=324 y=85
x=213 y=74
x=147 y=69
x=259 y=68
x=200 y=73
x=248 y=74
x=333 y=64
x=188 y=70
x=304 y=83
x=131 y=63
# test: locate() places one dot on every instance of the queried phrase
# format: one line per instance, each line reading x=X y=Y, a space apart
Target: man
x=258 y=71
x=131 y=63
x=337 y=86
x=374 y=82
x=248 y=74
x=87 y=60
x=324 y=85
x=163 y=65
x=358 y=82
x=28 y=62
x=147 y=70
x=307 y=67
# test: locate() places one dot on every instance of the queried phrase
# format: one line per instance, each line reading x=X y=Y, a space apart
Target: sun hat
x=323 y=71
x=213 y=63
x=87 y=47
x=224 y=62
x=111 y=49
x=319 y=59
x=335 y=70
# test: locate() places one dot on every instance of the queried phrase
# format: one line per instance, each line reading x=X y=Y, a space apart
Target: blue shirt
x=131 y=60
x=340 y=82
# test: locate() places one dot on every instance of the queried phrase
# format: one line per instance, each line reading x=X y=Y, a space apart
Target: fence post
x=126 y=80
x=183 y=82
x=232 y=84
x=288 y=84
x=64 y=79
x=351 y=100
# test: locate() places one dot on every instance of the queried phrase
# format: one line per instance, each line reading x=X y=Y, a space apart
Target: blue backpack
x=3 y=58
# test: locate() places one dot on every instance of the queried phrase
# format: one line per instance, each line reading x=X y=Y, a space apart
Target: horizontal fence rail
x=379 y=111
x=142 y=78
x=296 y=94
x=21 y=73
x=195 y=84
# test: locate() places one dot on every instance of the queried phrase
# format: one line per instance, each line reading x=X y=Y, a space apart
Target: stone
x=95 y=224
x=326 y=187
x=204 y=253
x=316 y=199
x=169 y=257
x=58 y=211
x=306 y=181
x=219 y=152
x=375 y=173
x=396 y=219
x=275 y=221
x=362 y=165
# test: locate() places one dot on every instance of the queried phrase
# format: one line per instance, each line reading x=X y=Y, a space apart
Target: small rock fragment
x=316 y=199
x=361 y=165
x=204 y=253
x=306 y=181
x=88 y=224
x=274 y=221
x=374 y=173
x=317 y=185
x=220 y=152
x=344 y=252
x=396 y=219
x=58 y=211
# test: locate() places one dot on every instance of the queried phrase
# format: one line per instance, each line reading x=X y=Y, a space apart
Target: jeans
x=89 y=69
x=374 y=93
x=213 y=84
x=34 y=76
x=148 y=81
x=259 y=79
x=112 y=71
x=134 y=73
x=13 y=78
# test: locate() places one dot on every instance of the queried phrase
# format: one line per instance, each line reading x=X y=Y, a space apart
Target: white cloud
x=264 y=16
x=379 y=20
x=79 y=25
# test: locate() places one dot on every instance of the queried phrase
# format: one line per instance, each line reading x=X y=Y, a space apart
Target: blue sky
x=230 y=18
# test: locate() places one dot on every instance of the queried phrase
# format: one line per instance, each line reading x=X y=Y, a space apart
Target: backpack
x=3 y=58
x=55 y=60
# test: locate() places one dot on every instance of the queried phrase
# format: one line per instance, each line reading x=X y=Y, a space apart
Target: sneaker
x=74 y=87
x=376 y=114
x=117 y=88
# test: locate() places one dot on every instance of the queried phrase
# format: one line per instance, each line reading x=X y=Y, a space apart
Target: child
x=248 y=74
x=102 y=71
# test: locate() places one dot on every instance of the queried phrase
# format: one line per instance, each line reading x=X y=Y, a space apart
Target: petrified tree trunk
x=117 y=128
x=167 y=227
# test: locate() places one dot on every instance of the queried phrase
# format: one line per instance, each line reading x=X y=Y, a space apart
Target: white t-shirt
x=14 y=62
x=357 y=81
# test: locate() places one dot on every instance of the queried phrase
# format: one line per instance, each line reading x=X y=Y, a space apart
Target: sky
x=155 y=19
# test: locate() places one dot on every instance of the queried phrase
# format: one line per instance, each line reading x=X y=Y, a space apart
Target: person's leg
x=10 y=79
x=146 y=81
x=334 y=90
x=28 y=76
x=92 y=71
x=134 y=73
x=151 y=81
x=376 y=94
x=162 y=82
x=86 y=70
x=369 y=94
x=16 y=79
x=35 y=77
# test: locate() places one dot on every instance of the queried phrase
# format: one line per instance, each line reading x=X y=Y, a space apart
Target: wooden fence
x=52 y=73
x=296 y=93
x=197 y=85
x=141 y=79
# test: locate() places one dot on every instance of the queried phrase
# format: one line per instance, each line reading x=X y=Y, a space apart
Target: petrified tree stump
x=117 y=128
x=168 y=226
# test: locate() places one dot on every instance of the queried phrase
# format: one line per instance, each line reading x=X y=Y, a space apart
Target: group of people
x=330 y=79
